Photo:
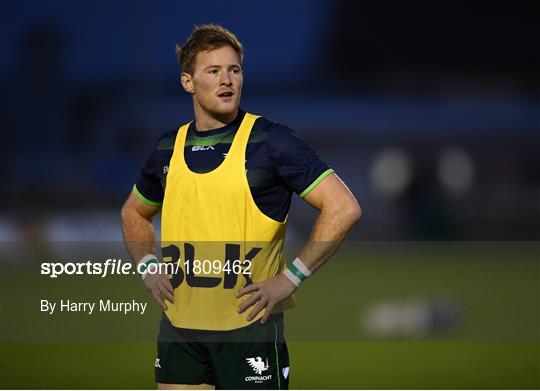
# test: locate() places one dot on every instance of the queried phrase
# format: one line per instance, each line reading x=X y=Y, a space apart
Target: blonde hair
x=205 y=37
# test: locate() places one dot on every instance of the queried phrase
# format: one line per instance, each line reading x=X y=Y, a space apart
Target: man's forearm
x=139 y=235
x=329 y=231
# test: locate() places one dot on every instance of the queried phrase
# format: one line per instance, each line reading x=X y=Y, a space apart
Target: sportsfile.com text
x=119 y=267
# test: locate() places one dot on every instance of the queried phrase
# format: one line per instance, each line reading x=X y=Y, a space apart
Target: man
x=224 y=183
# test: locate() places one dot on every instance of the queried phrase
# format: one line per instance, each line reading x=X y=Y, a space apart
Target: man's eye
x=212 y=71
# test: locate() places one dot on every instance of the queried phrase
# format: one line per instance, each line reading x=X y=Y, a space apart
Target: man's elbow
x=349 y=212
x=345 y=209
x=125 y=213
x=353 y=213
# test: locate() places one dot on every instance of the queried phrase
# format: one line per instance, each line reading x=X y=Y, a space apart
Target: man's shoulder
x=269 y=129
x=166 y=140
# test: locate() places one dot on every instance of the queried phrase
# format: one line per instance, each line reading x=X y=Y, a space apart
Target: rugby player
x=224 y=183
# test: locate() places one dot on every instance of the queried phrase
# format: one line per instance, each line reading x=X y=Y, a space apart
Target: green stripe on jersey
x=316 y=182
x=144 y=199
x=210 y=141
x=166 y=143
x=226 y=138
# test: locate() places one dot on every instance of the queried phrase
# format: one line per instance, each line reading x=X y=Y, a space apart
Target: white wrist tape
x=297 y=272
x=302 y=267
x=295 y=280
x=147 y=260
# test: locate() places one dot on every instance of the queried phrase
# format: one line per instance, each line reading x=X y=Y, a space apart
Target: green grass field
x=373 y=365
x=497 y=344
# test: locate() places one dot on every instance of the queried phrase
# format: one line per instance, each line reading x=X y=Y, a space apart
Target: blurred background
x=429 y=113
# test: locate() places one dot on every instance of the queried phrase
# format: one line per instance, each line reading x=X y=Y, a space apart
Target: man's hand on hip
x=160 y=287
x=265 y=295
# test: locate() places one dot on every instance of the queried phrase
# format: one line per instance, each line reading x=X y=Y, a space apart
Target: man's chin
x=226 y=111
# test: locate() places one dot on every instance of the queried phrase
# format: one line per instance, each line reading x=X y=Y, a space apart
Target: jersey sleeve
x=148 y=187
x=294 y=161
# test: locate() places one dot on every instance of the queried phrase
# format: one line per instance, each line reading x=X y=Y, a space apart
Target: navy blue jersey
x=278 y=163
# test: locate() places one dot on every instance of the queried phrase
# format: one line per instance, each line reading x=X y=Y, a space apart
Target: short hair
x=205 y=37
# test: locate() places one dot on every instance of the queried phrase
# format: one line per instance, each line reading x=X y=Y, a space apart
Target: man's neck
x=205 y=121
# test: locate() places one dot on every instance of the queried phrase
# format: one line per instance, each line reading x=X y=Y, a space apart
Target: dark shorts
x=253 y=357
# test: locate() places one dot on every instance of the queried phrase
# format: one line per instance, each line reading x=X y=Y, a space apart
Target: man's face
x=216 y=82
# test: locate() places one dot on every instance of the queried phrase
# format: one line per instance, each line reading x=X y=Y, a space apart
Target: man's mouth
x=226 y=94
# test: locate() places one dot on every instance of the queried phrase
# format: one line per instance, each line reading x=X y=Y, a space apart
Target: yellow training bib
x=212 y=228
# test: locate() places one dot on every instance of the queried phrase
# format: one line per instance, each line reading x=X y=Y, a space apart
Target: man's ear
x=187 y=82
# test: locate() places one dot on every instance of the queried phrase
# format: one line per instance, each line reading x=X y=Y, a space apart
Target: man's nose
x=226 y=79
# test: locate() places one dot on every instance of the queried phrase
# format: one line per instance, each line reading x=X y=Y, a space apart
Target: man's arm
x=139 y=235
x=140 y=240
x=339 y=211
